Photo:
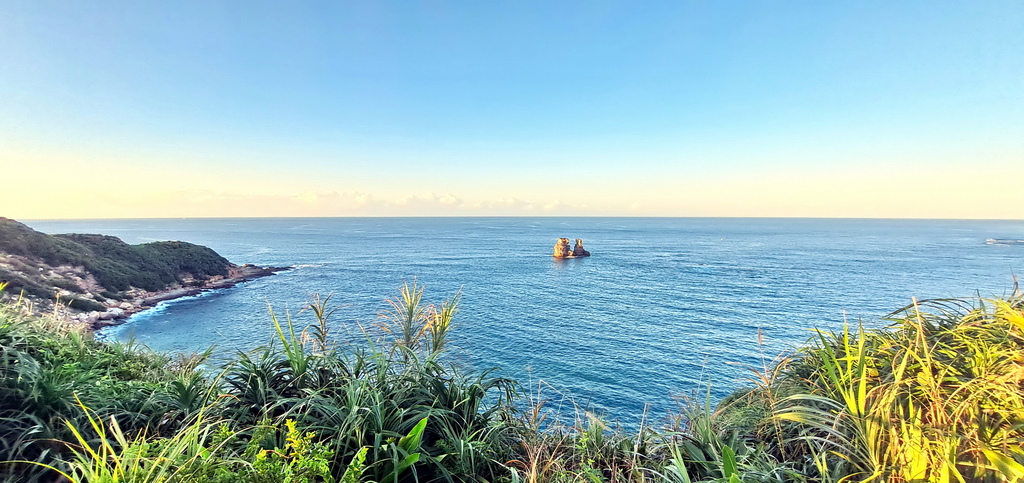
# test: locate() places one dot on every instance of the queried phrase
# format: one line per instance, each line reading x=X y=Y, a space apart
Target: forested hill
x=89 y=270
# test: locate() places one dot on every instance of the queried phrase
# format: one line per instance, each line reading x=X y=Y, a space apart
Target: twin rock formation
x=562 y=249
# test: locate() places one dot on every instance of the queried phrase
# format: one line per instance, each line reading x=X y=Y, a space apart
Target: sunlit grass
x=937 y=397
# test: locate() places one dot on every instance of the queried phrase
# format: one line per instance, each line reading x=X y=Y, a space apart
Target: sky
x=145 y=109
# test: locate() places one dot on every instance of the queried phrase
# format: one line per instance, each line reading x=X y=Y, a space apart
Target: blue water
x=661 y=305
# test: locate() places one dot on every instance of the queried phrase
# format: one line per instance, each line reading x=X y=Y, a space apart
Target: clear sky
x=676 y=108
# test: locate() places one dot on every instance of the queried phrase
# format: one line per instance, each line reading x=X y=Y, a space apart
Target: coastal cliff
x=100 y=279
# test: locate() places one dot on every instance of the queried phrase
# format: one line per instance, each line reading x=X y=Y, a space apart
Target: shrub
x=85 y=305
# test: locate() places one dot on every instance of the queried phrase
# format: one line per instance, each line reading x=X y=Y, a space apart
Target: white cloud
x=553 y=206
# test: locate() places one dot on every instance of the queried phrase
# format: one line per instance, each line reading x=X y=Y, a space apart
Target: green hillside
x=116 y=265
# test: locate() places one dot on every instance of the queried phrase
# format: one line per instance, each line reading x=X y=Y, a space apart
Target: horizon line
x=520 y=216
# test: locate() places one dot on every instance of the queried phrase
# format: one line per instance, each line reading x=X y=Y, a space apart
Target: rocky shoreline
x=142 y=300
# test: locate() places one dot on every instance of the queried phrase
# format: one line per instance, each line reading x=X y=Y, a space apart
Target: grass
x=937 y=396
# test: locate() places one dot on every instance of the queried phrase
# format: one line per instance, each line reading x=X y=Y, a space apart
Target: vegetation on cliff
x=96 y=267
x=938 y=396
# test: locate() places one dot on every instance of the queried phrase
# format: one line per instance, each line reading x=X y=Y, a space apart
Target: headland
x=100 y=280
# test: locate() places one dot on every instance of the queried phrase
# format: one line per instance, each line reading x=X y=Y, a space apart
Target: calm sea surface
x=660 y=306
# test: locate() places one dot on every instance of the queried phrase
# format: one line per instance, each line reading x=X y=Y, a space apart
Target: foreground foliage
x=937 y=396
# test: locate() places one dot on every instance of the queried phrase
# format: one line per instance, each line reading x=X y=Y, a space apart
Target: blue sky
x=469 y=108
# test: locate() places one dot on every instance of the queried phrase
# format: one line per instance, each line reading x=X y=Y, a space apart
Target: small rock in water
x=562 y=249
x=578 y=250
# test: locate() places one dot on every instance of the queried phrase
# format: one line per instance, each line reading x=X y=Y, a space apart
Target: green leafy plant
x=301 y=460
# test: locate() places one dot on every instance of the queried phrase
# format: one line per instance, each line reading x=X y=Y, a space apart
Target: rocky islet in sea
x=562 y=249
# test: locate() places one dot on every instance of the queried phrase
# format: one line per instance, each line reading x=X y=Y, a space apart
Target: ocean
x=665 y=307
